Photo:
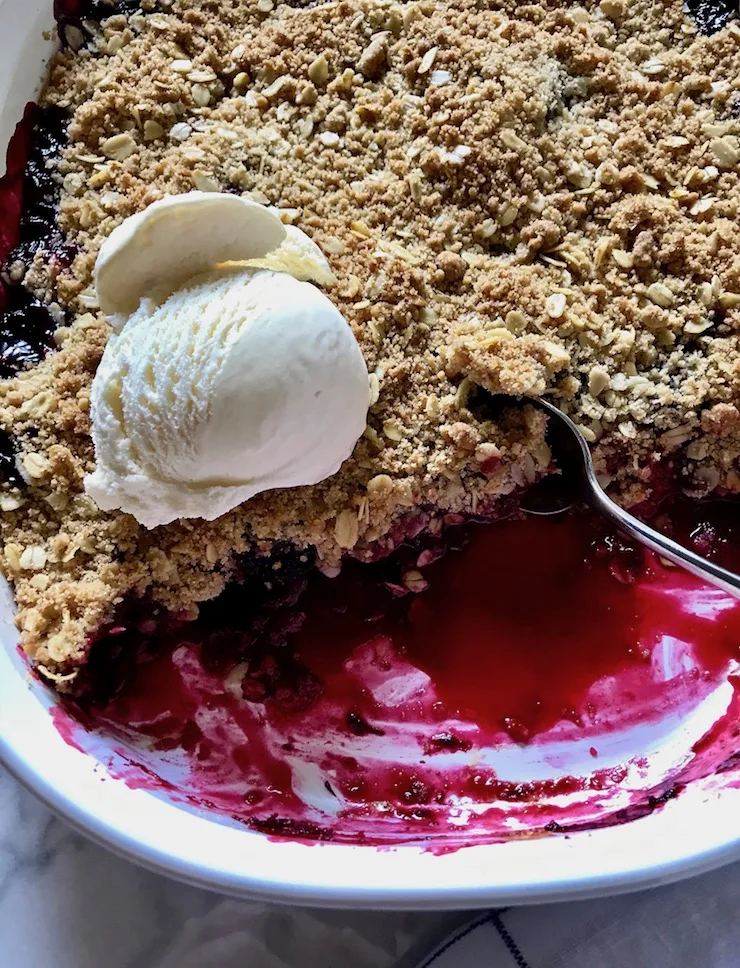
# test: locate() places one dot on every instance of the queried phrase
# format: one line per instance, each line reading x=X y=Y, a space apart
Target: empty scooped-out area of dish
x=496 y=675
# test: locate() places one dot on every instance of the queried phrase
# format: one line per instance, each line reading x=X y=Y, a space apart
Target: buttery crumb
x=519 y=198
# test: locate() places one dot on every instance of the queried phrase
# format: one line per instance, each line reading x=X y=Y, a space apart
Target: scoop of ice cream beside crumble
x=228 y=373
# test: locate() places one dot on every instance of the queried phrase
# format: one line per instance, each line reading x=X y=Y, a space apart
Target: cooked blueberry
x=16 y=354
x=8 y=470
x=27 y=318
x=38 y=228
x=26 y=325
x=35 y=228
x=99 y=9
x=26 y=329
x=50 y=133
x=711 y=15
x=35 y=181
x=283 y=566
x=74 y=12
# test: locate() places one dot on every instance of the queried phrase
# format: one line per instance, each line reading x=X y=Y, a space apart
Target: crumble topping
x=521 y=199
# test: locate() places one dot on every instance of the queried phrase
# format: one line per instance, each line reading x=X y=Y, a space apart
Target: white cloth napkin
x=694 y=924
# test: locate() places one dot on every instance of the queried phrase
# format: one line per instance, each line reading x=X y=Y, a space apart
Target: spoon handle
x=596 y=497
x=706 y=570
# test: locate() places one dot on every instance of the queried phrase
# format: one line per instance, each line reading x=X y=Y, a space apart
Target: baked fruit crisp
x=522 y=199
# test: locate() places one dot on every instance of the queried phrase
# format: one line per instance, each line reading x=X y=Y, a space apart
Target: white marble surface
x=66 y=903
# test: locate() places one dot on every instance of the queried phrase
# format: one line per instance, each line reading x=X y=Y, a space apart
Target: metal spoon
x=572 y=455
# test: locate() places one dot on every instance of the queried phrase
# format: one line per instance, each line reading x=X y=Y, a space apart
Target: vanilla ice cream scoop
x=179 y=237
x=237 y=380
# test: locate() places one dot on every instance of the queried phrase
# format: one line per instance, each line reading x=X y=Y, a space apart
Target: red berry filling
x=520 y=631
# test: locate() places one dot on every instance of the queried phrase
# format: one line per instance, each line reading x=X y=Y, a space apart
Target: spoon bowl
x=578 y=483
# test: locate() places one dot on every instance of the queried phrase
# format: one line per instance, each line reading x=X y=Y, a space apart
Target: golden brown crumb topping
x=525 y=198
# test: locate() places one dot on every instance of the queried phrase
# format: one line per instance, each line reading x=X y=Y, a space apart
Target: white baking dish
x=697 y=831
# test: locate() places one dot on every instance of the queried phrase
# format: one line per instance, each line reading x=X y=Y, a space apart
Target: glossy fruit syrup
x=29 y=199
x=366 y=706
